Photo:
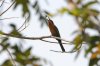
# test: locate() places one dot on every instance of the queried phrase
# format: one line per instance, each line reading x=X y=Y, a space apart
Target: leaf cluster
x=20 y=56
x=88 y=20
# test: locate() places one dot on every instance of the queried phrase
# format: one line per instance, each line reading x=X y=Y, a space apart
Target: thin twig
x=7 y=8
x=40 y=38
x=43 y=37
x=64 y=52
x=22 y=37
x=72 y=51
x=37 y=38
x=2 y=3
x=69 y=42
x=8 y=18
x=23 y=25
x=77 y=49
x=60 y=39
x=13 y=61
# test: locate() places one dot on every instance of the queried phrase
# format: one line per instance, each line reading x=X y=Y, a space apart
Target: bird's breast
x=53 y=30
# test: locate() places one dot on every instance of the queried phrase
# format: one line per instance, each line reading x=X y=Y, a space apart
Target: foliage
x=86 y=17
x=25 y=9
x=21 y=57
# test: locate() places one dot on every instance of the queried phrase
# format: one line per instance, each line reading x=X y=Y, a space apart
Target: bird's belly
x=53 y=32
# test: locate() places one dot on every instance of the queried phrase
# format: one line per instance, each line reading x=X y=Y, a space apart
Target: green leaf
x=14 y=30
x=76 y=12
x=35 y=4
x=16 y=48
x=89 y=50
x=89 y=4
x=63 y=10
x=24 y=4
x=94 y=39
x=34 y=58
x=4 y=40
x=27 y=52
x=1 y=32
x=77 y=41
x=79 y=1
x=7 y=63
x=20 y=57
x=94 y=12
x=5 y=47
x=93 y=62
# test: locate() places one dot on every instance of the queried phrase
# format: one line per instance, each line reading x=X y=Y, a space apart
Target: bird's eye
x=47 y=18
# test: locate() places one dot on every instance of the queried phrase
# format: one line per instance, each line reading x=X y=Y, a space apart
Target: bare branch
x=41 y=38
x=2 y=3
x=12 y=60
x=38 y=38
x=61 y=39
x=26 y=19
x=69 y=42
x=8 y=18
x=44 y=37
x=11 y=57
x=22 y=37
x=7 y=8
x=64 y=52
x=72 y=51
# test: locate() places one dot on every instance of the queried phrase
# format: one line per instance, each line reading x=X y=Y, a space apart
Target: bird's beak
x=47 y=18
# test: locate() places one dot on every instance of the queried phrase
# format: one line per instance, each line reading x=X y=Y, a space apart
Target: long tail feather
x=61 y=45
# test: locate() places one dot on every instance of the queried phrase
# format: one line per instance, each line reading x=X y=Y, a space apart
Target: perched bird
x=54 y=31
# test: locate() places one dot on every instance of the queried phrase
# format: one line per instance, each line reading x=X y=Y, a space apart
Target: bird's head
x=49 y=21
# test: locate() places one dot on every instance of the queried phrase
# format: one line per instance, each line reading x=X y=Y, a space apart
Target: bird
x=54 y=31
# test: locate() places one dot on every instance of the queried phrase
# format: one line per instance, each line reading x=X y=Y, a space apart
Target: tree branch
x=26 y=21
x=7 y=8
x=39 y=38
x=44 y=37
x=69 y=42
x=8 y=18
x=12 y=60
